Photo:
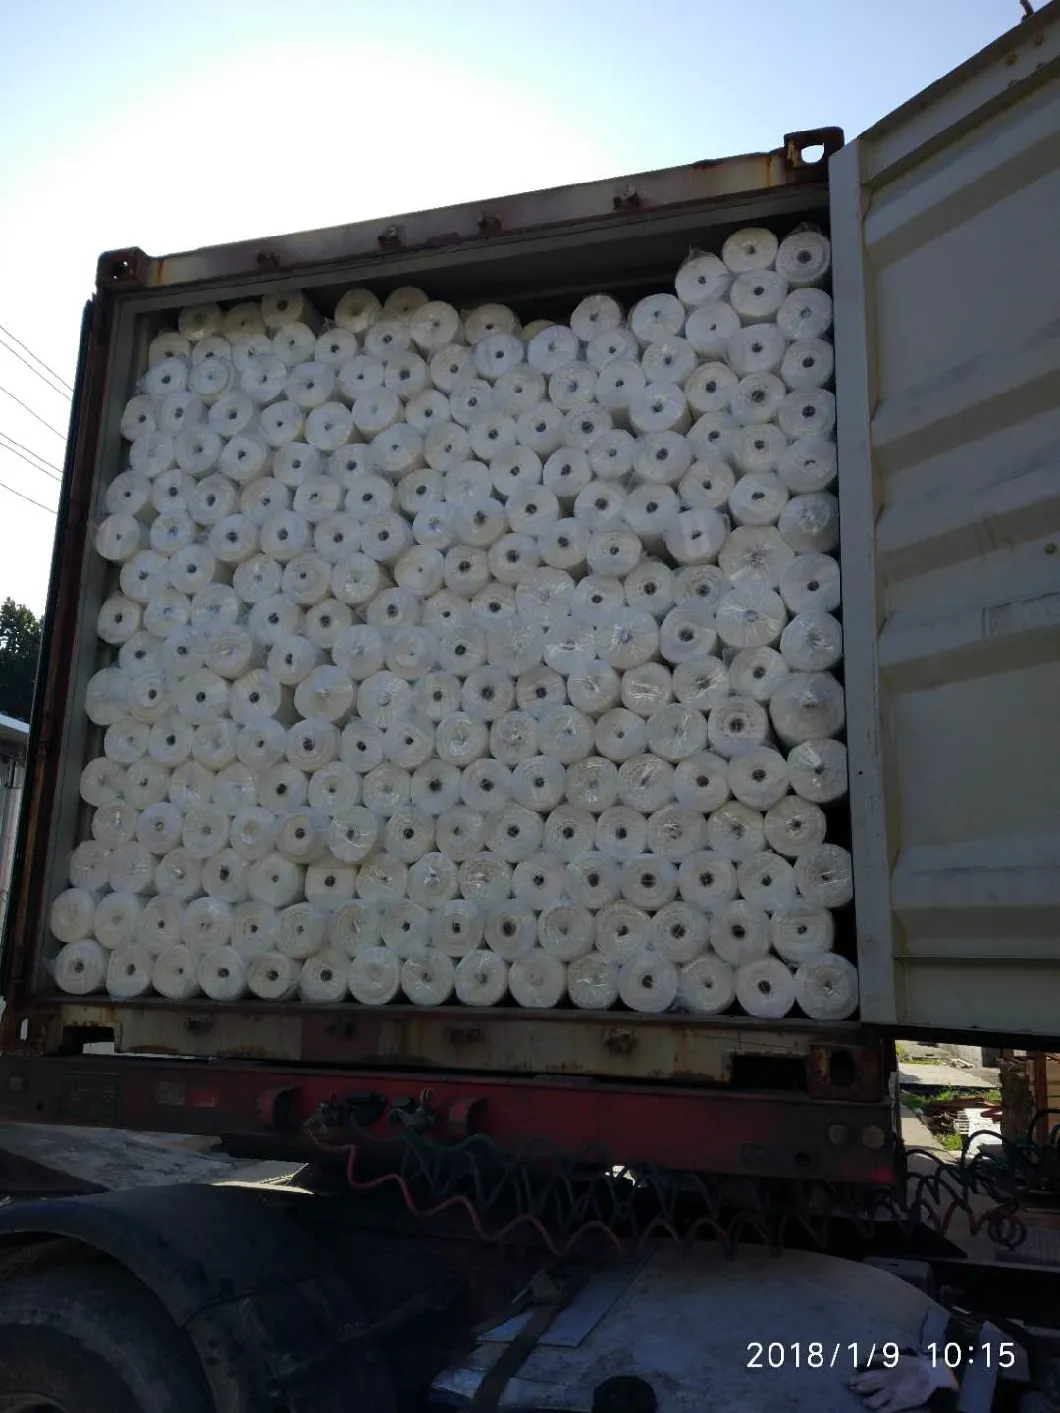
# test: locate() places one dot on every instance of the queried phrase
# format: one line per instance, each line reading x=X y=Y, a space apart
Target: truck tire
x=92 y=1339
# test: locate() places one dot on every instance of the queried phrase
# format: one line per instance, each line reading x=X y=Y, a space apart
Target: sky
x=175 y=126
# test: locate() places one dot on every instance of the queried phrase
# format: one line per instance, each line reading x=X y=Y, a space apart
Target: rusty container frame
x=541 y=251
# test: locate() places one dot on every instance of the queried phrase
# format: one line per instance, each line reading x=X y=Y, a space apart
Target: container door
x=946 y=230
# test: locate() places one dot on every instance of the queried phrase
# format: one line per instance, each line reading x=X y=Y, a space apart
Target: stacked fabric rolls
x=455 y=660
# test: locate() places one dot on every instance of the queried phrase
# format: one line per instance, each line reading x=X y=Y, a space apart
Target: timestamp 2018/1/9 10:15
x=820 y=1354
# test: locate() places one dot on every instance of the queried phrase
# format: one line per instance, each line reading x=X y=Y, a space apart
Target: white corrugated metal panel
x=946 y=230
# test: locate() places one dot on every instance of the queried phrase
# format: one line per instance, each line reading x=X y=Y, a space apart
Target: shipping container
x=946 y=379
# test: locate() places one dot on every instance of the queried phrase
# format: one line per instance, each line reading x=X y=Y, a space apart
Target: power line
x=41 y=361
x=9 y=444
x=44 y=379
x=37 y=415
x=22 y=496
x=22 y=447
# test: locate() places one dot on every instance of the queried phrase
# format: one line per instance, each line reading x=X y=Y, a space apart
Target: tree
x=20 y=632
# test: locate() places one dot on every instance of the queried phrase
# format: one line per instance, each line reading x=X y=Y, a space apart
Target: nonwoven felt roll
x=819 y=770
x=456 y=928
x=752 y=248
x=223 y=974
x=801 y=931
x=812 y=641
x=758 y=777
x=175 y=974
x=766 y=881
x=679 y=932
x=805 y=314
x=707 y=985
x=353 y=928
x=648 y=983
x=736 y=724
x=826 y=987
x=481 y=979
x=807 y=706
x=375 y=976
x=537 y=981
x=707 y=880
x=765 y=988
x=160 y=924
x=700 y=782
x=794 y=826
x=428 y=979
x=804 y=257
x=736 y=831
x=324 y=978
x=824 y=876
x=273 y=976
x=739 y=933
x=72 y=914
x=177 y=875
x=701 y=682
x=649 y=882
x=80 y=968
x=675 y=833
x=757 y=673
x=89 y=865
x=129 y=973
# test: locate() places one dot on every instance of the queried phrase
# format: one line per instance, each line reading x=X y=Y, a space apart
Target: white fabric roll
x=701 y=782
x=306 y=580
x=752 y=248
x=427 y=979
x=707 y=985
x=81 y=967
x=808 y=465
x=160 y=924
x=711 y=436
x=357 y=311
x=758 y=777
x=676 y=731
x=669 y=360
x=610 y=345
x=539 y=429
x=596 y=314
x=212 y=379
x=191 y=785
x=593 y=882
x=710 y=388
x=214 y=745
x=254 y=929
x=819 y=770
x=539 y=783
x=646 y=689
x=621 y=833
x=661 y=407
x=114 y=824
x=197 y=448
x=274 y=880
x=765 y=988
x=702 y=279
x=701 y=682
x=811 y=582
x=648 y=982
x=649 y=882
x=223 y=974
x=710 y=327
x=432 y=880
x=757 y=295
x=353 y=928
x=592 y=982
x=552 y=349
x=324 y=979
x=644 y=783
x=808 y=412
x=119 y=537
x=153 y=454
x=485 y=880
x=808 y=706
x=456 y=928
x=675 y=833
x=326 y=692
x=594 y=687
x=756 y=400
x=824 y=876
x=649 y=586
x=178 y=875
x=617 y=383
x=159 y=827
x=72 y=914
x=736 y=724
x=805 y=314
x=257 y=579
x=205 y=831
x=758 y=497
x=513 y=738
x=750 y=615
x=807 y=364
x=537 y=981
x=739 y=933
x=619 y=735
x=89 y=866
x=801 y=931
x=224 y=876
x=207 y=924
x=511 y=930
x=626 y=638
x=766 y=881
x=175 y=974
x=375 y=976
x=253 y=833
x=826 y=988
x=804 y=258
x=352 y=834
x=118 y=619
x=302 y=836
x=481 y=979
x=569 y=832
x=273 y=977
x=300 y=931
x=695 y=536
x=812 y=642
x=129 y=493
x=335 y=347
x=736 y=831
x=566 y=931
x=755 y=552
x=138 y=418
x=103 y=780
x=171 y=531
x=679 y=932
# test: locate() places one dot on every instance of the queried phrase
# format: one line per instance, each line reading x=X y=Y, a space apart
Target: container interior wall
x=541 y=276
